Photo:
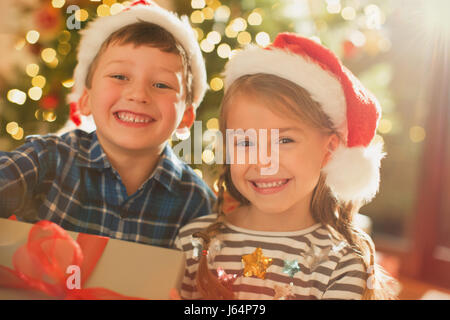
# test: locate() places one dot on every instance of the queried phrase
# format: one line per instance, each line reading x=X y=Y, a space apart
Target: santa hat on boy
x=97 y=31
x=353 y=172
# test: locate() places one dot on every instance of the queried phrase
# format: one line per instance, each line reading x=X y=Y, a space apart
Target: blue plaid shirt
x=69 y=180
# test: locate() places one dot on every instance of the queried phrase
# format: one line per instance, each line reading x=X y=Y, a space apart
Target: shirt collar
x=168 y=169
x=91 y=154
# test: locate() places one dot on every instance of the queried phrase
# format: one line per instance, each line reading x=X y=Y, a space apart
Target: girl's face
x=302 y=151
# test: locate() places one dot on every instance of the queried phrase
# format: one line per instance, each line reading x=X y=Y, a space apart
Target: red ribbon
x=41 y=264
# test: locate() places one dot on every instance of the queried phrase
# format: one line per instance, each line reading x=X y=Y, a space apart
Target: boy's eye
x=160 y=85
x=119 y=76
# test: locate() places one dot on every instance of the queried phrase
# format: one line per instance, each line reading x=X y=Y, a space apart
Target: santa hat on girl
x=97 y=31
x=353 y=172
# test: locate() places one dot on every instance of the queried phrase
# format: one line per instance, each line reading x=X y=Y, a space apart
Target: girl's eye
x=160 y=85
x=244 y=143
x=119 y=76
x=286 y=140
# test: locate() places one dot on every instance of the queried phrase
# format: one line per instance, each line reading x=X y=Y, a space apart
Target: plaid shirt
x=69 y=181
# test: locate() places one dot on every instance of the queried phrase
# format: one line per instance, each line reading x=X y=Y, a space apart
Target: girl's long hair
x=286 y=97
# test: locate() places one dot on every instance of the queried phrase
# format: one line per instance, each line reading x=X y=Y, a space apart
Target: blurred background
x=398 y=48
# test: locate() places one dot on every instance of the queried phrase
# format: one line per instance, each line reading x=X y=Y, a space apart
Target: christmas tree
x=39 y=52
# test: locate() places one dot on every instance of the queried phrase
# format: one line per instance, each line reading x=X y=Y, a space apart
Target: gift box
x=43 y=261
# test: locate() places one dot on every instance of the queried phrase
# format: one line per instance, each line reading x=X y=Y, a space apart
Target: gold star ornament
x=255 y=264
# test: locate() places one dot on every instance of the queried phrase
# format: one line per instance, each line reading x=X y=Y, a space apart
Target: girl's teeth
x=270 y=184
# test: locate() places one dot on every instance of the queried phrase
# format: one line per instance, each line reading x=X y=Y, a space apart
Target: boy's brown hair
x=148 y=34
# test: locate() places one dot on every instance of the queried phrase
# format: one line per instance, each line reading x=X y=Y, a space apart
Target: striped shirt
x=306 y=264
x=68 y=180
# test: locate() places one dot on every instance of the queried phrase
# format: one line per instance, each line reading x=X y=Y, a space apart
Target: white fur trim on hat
x=100 y=29
x=354 y=173
x=321 y=84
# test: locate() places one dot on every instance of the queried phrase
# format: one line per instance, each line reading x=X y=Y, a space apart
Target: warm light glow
x=32 y=69
x=38 y=81
x=48 y=55
x=385 y=126
x=81 y=15
x=244 y=38
x=417 y=134
x=348 y=13
x=214 y=37
x=109 y=2
x=262 y=39
x=208 y=13
x=16 y=96
x=197 y=16
x=222 y=14
x=357 y=38
x=216 y=84
x=58 y=3
x=35 y=93
x=333 y=6
x=239 y=24
x=199 y=172
x=64 y=48
x=20 y=44
x=212 y=123
x=19 y=134
x=230 y=33
x=32 y=36
x=206 y=46
x=49 y=116
x=103 y=10
x=117 y=8
x=373 y=16
x=208 y=156
x=198 y=4
x=254 y=19
x=68 y=83
x=12 y=127
x=224 y=50
x=199 y=33
x=64 y=36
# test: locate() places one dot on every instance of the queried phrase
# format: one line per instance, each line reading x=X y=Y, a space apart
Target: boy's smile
x=136 y=98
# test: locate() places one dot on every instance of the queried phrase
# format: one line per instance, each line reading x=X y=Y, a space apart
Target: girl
x=292 y=235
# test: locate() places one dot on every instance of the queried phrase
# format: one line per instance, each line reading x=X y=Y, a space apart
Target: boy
x=141 y=75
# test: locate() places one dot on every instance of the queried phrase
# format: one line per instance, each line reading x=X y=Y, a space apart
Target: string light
x=213 y=37
x=208 y=13
x=262 y=38
x=109 y=3
x=12 y=128
x=239 y=24
x=32 y=70
x=206 y=46
x=32 y=36
x=19 y=134
x=117 y=8
x=199 y=172
x=229 y=32
x=417 y=134
x=16 y=96
x=197 y=17
x=64 y=36
x=20 y=44
x=216 y=84
x=208 y=156
x=64 y=48
x=348 y=13
x=385 y=126
x=244 y=38
x=81 y=15
x=49 y=116
x=222 y=14
x=35 y=93
x=38 y=81
x=198 y=4
x=58 y=3
x=213 y=123
x=199 y=33
x=254 y=19
x=103 y=10
x=333 y=6
x=68 y=83
x=224 y=51
x=48 y=55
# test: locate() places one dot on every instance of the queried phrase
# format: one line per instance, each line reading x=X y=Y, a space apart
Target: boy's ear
x=188 y=118
x=83 y=103
x=332 y=144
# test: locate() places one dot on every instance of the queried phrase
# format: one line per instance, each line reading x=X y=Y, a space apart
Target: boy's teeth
x=131 y=117
x=270 y=184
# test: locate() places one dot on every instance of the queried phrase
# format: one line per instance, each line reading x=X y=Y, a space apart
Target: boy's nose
x=138 y=93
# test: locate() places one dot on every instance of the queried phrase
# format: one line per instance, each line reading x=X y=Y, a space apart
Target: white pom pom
x=353 y=174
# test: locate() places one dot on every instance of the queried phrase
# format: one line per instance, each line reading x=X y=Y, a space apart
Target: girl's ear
x=331 y=145
x=83 y=103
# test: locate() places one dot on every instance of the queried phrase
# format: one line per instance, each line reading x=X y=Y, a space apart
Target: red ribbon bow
x=42 y=263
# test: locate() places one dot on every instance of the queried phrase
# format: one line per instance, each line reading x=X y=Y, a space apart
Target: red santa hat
x=353 y=172
x=97 y=31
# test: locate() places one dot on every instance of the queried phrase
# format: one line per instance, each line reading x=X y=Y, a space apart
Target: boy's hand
x=174 y=295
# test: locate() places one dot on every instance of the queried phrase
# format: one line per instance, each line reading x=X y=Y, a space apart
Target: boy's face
x=137 y=98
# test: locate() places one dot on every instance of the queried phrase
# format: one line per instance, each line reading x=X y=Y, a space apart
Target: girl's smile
x=269 y=186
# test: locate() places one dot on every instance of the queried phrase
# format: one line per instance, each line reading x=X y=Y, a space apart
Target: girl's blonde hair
x=292 y=99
